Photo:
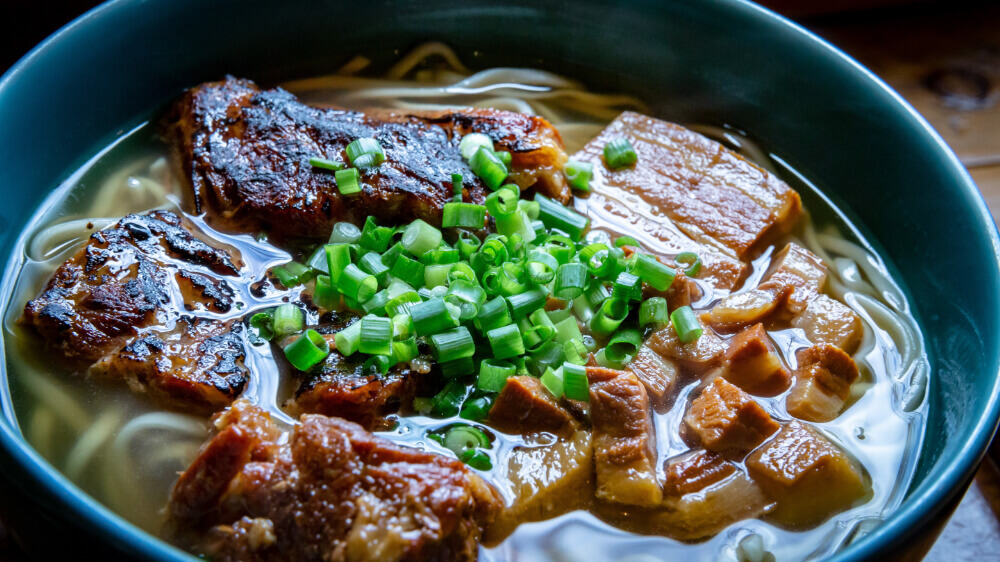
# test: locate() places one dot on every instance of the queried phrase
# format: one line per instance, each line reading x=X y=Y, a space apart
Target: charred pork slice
x=687 y=192
x=122 y=307
x=330 y=491
x=246 y=153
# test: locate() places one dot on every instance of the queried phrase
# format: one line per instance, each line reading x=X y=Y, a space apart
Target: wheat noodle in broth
x=126 y=453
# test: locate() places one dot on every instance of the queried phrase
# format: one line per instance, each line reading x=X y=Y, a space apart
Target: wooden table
x=945 y=60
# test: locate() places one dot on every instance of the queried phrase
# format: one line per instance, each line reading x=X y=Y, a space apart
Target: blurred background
x=942 y=56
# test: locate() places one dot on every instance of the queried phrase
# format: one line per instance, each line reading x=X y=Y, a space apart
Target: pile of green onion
x=510 y=303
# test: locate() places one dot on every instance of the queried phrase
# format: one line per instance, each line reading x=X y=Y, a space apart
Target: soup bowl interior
x=710 y=62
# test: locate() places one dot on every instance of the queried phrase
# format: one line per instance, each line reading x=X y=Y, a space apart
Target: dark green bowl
x=721 y=61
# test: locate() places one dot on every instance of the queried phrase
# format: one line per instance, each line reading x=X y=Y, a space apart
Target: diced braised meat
x=822 y=383
x=658 y=374
x=525 y=406
x=246 y=153
x=809 y=477
x=753 y=365
x=111 y=306
x=798 y=268
x=698 y=356
x=714 y=196
x=695 y=471
x=331 y=491
x=726 y=419
x=832 y=322
x=546 y=481
x=735 y=312
x=624 y=438
x=197 y=366
x=712 y=505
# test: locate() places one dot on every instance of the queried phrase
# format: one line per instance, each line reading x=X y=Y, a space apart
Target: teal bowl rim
x=920 y=505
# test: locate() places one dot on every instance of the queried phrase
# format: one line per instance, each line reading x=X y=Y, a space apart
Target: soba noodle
x=430 y=77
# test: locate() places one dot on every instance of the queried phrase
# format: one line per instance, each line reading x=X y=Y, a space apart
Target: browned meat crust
x=246 y=153
x=332 y=491
x=116 y=307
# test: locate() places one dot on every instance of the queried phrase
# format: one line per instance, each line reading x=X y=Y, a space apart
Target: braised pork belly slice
x=624 y=438
x=753 y=365
x=329 y=491
x=829 y=321
x=727 y=420
x=687 y=192
x=546 y=479
x=699 y=356
x=822 y=383
x=525 y=406
x=658 y=374
x=120 y=308
x=809 y=477
x=799 y=269
x=246 y=154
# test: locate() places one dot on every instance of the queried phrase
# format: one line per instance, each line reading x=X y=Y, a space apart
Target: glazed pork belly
x=123 y=308
x=328 y=491
x=246 y=154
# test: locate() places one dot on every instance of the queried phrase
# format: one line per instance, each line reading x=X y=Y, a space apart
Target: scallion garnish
x=431 y=317
x=686 y=324
x=619 y=153
x=653 y=312
x=326 y=164
x=307 y=351
x=453 y=344
x=693 y=262
x=288 y=319
x=357 y=284
x=472 y=142
x=554 y=215
x=365 y=153
x=493 y=375
x=506 y=341
x=348 y=339
x=465 y=215
x=653 y=273
x=376 y=335
x=420 y=238
x=575 y=383
x=348 y=181
x=488 y=167
x=578 y=174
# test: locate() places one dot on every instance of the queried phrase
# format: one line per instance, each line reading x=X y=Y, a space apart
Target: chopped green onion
x=461 y=438
x=344 y=233
x=575 y=383
x=493 y=314
x=401 y=303
x=307 y=351
x=506 y=341
x=493 y=375
x=619 y=153
x=596 y=294
x=263 y=322
x=292 y=274
x=476 y=409
x=627 y=287
x=374 y=237
x=349 y=339
x=505 y=157
x=516 y=224
x=441 y=255
x=456 y=187
x=530 y=208
x=288 y=319
x=548 y=355
x=623 y=345
x=653 y=273
x=654 y=312
x=488 y=167
x=467 y=243
x=567 y=329
x=420 y=238
x=692 y=260
x=378 y=364
x=457 y=368
x=372 y=263
x=390 y=256
x=576 y=352
x=338 y=257
x=466 y=215
x=348 y=181
x=466 y=295
x=555 y=215
x=461 y=271
x=623 y=241
x=541 y=267
x=357 y=284
x=326 y=164
x=607 y=319
x=365 y=153
x=501 y=202
x=578 y=174
x=600 y=262
x=476 y=459
x=527 y=302
x=376 y=304
x=376 y=335
x=447 y=402
x=408 y=270
x=472 y=142
x=317 y=261
x=404 y=350
x=436 y=275
x=454 y=344
x=553 y=382
x=560 y=314
x=431 y=317
x=686 y=324
x=570 y=280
